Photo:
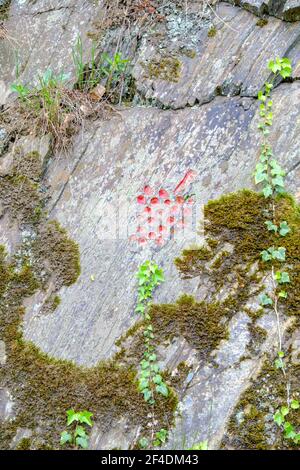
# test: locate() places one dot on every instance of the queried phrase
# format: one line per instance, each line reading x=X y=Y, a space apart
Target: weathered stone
x=86 y=189
x=46 y=35
x=220 y=64
x=288 y=10
x=6 y=405
x=22 y=433
x=3 y=139
x=2 y=353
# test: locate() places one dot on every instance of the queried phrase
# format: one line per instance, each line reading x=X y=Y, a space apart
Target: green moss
x=165 y=68
x=190 y=53
x=212 y=32
x=198 y=322
x=262 y=22
x=4 y=10
x=24 y=444
x=251 y=425
x=51 y=304
x=191 y=260
x=29 y=165
x=258 y=336
x=44 y=388
x=56 y=254
x=239 y=220
x=20 y=196
x=220 y=259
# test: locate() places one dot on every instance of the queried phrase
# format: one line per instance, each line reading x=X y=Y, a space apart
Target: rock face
x=288 y=10
x=194 y=107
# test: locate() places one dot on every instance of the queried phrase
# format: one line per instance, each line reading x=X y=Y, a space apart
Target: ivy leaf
x=295 y=404
x=285 y=278
x=285 y=73
x=260 y=176
x=284 y=229
x=80 y=431
x=267 y=190
x=278 y=418
x=82 y=442
x=143 y=384
x=143 y=442
x=147 y=394
x=289 y=431
x=278 y=363
x=162 y=389
x=144 y=364
x=273 y=66
x=297 y=438
x=279 y=254
x=85 y=417
x=283 y=294
x=72 y=416
x=265 y=300
x=278 y=181
x=153 y=357
x=276 y=168
x=270 y=226
x=284 y=410
x=65 y=437
x=157 y=379
x=266 y=256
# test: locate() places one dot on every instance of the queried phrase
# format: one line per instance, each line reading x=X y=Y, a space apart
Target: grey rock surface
x=288 y=10
x=219 y=64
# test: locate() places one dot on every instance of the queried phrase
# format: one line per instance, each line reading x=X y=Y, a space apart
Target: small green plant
x=45 y=104
x=113 y=68
x=270 y=175
x=76 y=436
x=87 y=75
x=106 y=70
x=150 y=380
x=203 y=445
x=280 y=418
x=160 y=438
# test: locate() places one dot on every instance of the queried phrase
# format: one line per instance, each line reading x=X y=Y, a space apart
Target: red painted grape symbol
x=161 y=216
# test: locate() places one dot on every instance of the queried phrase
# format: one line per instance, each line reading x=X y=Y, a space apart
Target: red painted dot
x=151 y=235
x=141 y=229
x=180 y=200
x=160 y=212
x=159 y=241
x=163 y=193
x=174 y=209
x=141 y=199
x=147 y=210
x=170 y=220
x=151 y=220
x=133 y=238
x=167 y=202
x=147 y=190
x=142 y=241
x=187 y=211
x=154 y=200
x=191 y=201
x=162 y=229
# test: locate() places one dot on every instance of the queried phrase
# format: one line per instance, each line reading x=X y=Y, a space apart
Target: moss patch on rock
x=164 y=68
x=251 y=425
x=44 y=388
x=21 y=196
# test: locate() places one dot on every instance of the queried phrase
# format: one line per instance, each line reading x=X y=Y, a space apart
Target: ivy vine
x=270 y=175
